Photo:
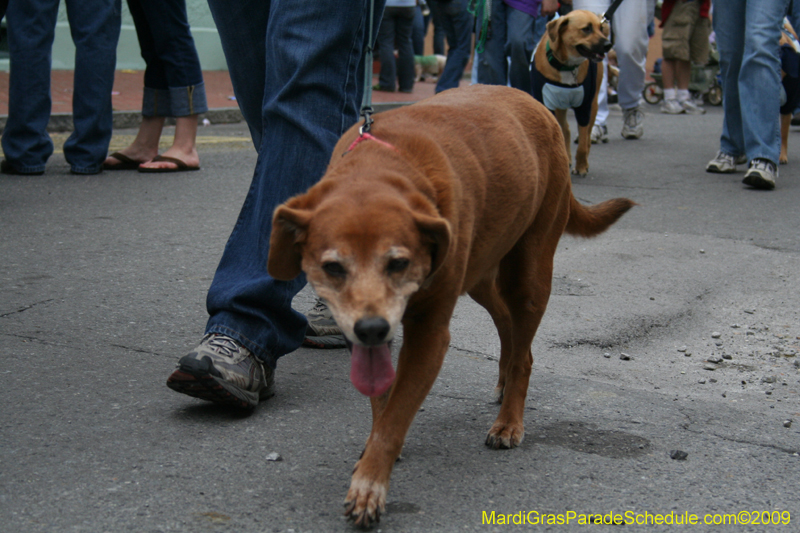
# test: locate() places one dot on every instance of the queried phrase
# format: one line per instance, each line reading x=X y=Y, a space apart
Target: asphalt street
x=102 y=288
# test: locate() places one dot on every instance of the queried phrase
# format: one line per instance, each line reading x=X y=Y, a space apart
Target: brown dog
x=465 y=192
x=564 y=74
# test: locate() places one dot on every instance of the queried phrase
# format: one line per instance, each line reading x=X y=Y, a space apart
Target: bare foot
x=191 y=159
x=126 y=158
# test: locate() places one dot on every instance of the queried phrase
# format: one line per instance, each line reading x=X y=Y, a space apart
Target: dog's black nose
x=372 y=331
x=607 y=46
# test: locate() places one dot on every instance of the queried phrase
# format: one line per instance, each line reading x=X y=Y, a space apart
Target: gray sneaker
x=322 y=330
x=672 y=107
x=761 y=174
x=725 y=163
x=690 y=108
x=633 y=126
x=599 y=134
x=223 y=371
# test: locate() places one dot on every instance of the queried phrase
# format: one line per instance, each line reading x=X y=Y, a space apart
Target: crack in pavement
x=25 y=308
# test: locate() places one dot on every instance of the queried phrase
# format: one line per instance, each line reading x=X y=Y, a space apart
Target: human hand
x=550 y=6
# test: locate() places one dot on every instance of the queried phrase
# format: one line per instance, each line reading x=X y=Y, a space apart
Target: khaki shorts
x=685 y=35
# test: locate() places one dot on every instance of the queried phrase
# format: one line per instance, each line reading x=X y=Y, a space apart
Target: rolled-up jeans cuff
x=156 y=102
x=175 y=101
x=189 y=100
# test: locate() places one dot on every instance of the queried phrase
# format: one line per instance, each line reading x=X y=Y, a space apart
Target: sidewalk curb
x=60 y=122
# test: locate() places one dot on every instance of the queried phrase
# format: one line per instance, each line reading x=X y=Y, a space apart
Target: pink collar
x=368 y=136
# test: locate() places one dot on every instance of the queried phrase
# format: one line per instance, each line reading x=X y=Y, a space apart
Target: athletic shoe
x=725 y=163
x=761 y=174
x=692 y=108
x=633 y=126
x=599 y=134
x=223 y=371
x=672 y=107
x=322 y=330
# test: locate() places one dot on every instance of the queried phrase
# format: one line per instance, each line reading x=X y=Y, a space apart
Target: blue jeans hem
x=261 y=354
x=175 y=101
x=87 y=170
x=26 y=170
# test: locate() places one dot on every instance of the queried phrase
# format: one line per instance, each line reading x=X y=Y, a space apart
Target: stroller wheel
x=652 y=93
x=714 y=95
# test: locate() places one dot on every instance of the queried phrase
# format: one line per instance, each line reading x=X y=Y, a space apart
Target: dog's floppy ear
x=555 y=28
x=289 y=227
x=605 y=28
x=435 y=230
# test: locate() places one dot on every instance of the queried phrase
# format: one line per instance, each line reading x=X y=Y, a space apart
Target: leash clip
x=367 y=114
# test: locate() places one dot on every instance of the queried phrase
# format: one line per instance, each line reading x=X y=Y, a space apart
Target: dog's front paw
x=505 y=435
x=784 y=159
x=580 y=172
x=365 y=502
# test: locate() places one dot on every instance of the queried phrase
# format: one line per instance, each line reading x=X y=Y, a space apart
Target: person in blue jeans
x=396 y=29
x=95 y=28
x=173 y=87
x=747 y=33
x=453 y=16
x=297 y=68
x=517 y=26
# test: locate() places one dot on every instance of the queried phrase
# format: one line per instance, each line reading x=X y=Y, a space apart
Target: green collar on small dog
x=555 y=63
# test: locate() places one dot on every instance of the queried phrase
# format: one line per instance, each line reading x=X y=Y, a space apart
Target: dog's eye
x=397 y=265
x=588 y=29
x=332 y=268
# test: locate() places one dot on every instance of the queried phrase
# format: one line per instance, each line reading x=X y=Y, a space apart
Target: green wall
x=204 y=32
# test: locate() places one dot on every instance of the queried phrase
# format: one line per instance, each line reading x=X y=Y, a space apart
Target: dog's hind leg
x=561 y=117
x=524 y=285
x=487 y=296
x=786 y=121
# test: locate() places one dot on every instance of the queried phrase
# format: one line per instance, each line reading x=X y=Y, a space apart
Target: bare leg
x=668 y=72
x=145 y=145
x=184 y=147
x=683 y=74
x=786 y=121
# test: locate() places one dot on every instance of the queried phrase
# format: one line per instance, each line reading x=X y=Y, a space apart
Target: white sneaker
x=761 y=174
x=672 y=107
x=599 y=134
x=692 y=108
x=633 y=126
x=725 y=163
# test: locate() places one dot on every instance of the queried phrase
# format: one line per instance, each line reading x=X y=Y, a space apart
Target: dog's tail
x=591 y=220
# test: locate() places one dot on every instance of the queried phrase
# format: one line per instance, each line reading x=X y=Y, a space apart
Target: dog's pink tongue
x=371 y=369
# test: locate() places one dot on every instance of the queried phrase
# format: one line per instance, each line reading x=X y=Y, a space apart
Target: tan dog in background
x=568 y=52
x=465 y=192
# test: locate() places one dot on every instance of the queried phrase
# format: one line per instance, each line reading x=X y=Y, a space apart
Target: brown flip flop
x=181 y=166
x=125 y=162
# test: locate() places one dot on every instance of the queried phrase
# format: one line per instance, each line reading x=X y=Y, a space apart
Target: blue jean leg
x=457 y=23
x=513 y=37
x=747 y=38
x=522 y=29
x=242 y=27
x=492 y=64
x=31 y=29
x=396 y=29
x=95 y=28
x=311 y=54
x=173 y=78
